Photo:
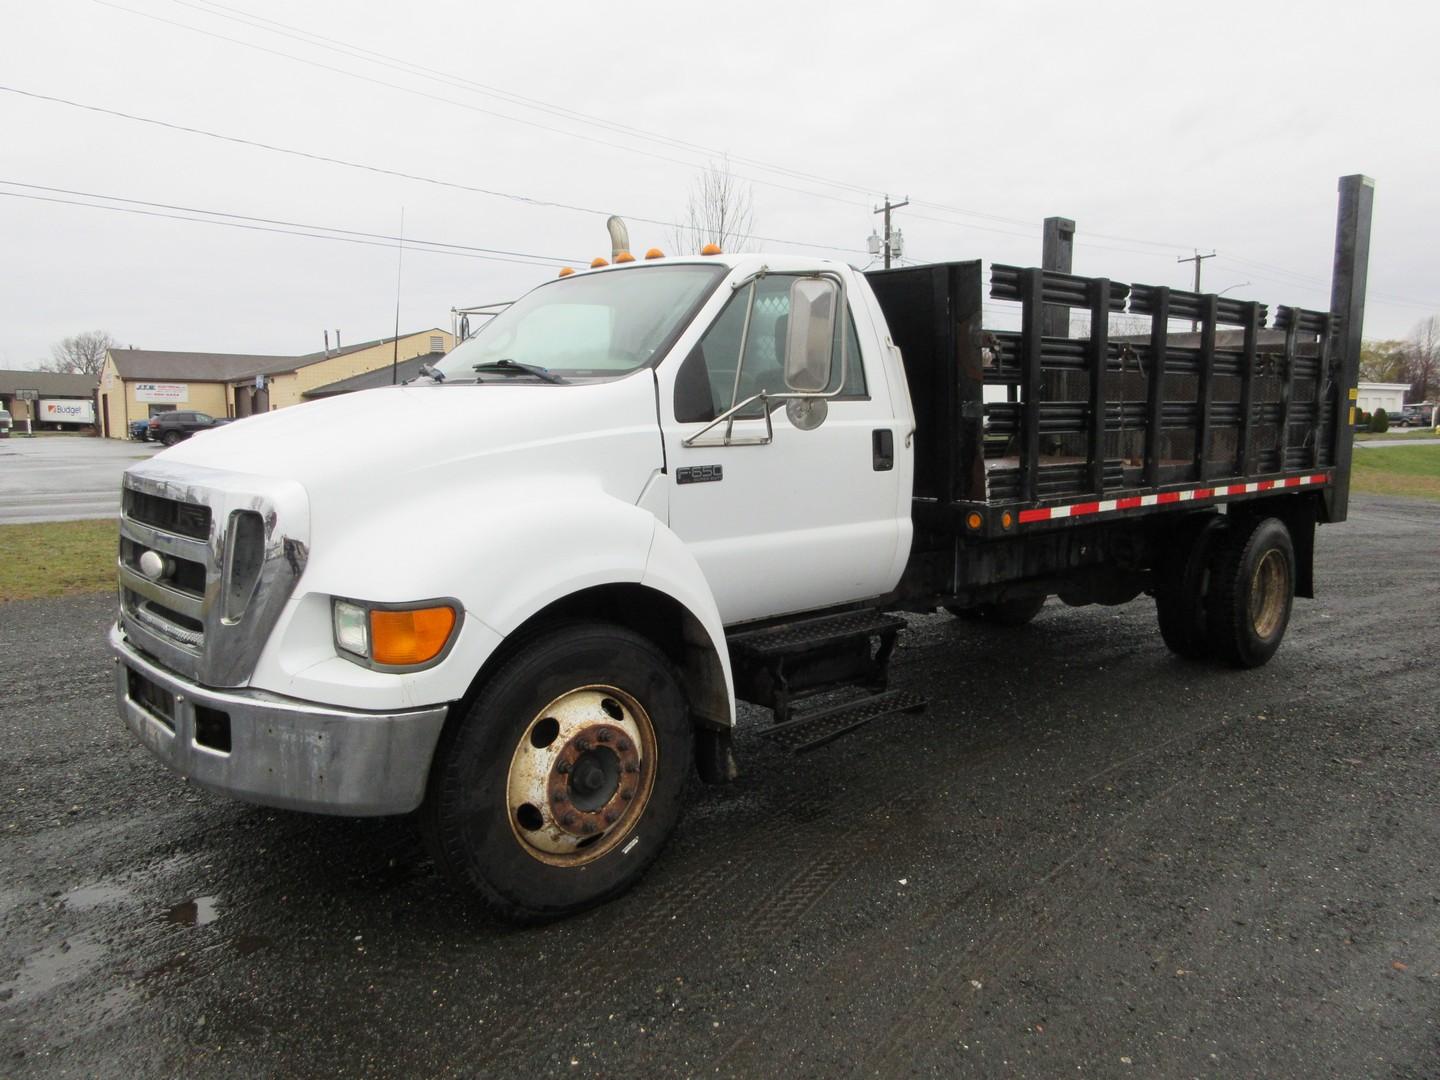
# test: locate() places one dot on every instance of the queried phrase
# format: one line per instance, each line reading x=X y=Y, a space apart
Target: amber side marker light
x=566 y=271
x=402 y=638
x=598 y=262
x=710 y=249
x=973 y=521
x=654 y=253
x=1006 y=520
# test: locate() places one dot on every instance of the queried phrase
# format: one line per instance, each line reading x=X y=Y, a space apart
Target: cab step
x=781 y=663
x=806 y=635
x=807 y=731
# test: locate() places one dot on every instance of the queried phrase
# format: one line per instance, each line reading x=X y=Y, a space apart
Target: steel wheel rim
x=1268 y=594
x=581 y=775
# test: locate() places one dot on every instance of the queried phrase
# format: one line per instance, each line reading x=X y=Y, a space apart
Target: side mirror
x=809 y=339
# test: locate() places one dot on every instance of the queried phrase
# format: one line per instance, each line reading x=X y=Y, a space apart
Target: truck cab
x=657 y=451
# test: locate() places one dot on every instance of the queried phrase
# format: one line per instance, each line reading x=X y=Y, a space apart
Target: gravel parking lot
x=1086 y=858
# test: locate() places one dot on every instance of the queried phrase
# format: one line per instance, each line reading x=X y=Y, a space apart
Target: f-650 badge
x=699 y=474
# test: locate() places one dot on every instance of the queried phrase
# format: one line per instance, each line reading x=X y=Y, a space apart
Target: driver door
x=809 y=520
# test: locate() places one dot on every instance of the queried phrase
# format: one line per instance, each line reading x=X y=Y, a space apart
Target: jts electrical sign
x=162 y=391
x=67 y=410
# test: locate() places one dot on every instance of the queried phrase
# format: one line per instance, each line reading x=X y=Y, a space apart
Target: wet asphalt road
x=64 y=477
x=1087 y=859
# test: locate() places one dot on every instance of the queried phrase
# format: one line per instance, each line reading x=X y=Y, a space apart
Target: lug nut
x=602 y=736
x=588 y=828
x=612 y=816
x=623 y=745
x=568 y=820
x=582 y=744
x=632 y=766
x=627 y=795
x=562 y=768
x=557 y=796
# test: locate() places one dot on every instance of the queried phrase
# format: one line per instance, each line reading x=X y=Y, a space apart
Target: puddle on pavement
x=249 y=944
x=89 y=897
x=51 y=967
x=195 y=912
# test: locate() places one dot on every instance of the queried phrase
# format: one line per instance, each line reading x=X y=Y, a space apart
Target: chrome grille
x=228 y=551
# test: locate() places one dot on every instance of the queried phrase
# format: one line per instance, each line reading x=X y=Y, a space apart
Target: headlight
x=390 y=636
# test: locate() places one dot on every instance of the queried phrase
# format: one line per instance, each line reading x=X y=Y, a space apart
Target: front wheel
x=171 y=438
x=561 y=784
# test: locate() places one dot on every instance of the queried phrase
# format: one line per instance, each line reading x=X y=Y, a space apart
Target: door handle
x=882 y=449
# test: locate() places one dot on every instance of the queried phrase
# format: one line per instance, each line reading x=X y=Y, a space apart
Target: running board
x=815 y=729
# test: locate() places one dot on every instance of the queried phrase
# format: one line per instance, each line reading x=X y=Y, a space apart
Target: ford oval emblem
x=152 y=565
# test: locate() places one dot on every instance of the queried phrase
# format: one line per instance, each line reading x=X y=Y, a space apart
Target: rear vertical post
x=1347 y=302
x=1247 y=389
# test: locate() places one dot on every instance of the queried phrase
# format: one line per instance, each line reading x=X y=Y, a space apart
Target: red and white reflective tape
x=1105 y=506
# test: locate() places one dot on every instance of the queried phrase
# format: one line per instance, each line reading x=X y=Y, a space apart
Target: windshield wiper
x=513 y=367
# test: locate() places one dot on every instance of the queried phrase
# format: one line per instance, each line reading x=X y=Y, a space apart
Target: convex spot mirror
x=810 y=337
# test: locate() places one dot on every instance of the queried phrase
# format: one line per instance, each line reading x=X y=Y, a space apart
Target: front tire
x=560 y=785
x=1252 y=588
x=171 y=438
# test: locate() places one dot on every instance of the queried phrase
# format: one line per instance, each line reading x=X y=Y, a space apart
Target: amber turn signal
x=402 y=638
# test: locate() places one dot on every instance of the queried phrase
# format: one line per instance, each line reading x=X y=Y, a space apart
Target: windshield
x=595 y=325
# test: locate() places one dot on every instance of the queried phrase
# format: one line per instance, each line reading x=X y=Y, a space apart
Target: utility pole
x=1197 y=259
x=886 y=211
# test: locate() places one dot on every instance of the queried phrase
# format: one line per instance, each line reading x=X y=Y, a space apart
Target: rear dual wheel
x=1225 y=588
x=561 y=783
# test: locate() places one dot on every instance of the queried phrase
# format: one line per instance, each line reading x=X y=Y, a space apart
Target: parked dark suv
x=1416 y=415
x=169 y=428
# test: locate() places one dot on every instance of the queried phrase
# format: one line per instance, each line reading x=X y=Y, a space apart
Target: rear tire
x=171 y=438
x=1252 y=588
x=533 y=803
x=1183 y=577
x=1011 y=613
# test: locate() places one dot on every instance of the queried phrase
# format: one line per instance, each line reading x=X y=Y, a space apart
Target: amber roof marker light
x=710 y=249
x=566 y=271
x=654 y=253
x=624 y=257
x=598 y=262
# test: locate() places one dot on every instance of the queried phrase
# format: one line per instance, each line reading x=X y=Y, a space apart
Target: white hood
x=377 y=444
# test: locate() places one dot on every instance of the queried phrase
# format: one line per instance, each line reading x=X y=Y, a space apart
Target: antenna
x=399 y=265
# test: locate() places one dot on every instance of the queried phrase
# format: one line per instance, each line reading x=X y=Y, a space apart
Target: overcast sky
x=1158 y=128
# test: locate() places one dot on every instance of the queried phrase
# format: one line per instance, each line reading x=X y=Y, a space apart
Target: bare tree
x=83 y=353
x=1423 y=351
x=720 y=210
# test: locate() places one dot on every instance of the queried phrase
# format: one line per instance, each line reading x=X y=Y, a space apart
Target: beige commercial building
x=136 y=384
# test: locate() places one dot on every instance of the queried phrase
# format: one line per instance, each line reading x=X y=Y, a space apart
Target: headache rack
x=1248 y=404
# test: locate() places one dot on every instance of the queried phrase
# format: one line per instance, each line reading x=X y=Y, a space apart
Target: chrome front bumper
x=264 y=748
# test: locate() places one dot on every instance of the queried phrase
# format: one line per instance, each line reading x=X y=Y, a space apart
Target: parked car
x=169 y=428
x=5 y=422
x=1417 y=415
x=139 y=430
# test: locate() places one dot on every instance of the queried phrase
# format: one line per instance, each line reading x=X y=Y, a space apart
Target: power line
x=274 y=26
x=408 y=241
x=221 y=219
x=451 y=101
x=380 y=170
x=346 y=48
